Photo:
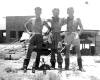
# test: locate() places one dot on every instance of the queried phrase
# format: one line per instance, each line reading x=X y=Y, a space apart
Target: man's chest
x=56 y=23
x=37 y=22
x=72 y=24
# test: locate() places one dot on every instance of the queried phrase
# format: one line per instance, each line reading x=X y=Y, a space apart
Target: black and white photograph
x=49 y=40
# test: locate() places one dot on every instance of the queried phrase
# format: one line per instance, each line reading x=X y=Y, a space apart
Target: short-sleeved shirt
x=56 y=24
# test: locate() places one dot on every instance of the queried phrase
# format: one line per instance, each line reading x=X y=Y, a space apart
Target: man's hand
x=80 y=25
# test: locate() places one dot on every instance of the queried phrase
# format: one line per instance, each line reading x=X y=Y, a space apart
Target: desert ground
x=9 y=69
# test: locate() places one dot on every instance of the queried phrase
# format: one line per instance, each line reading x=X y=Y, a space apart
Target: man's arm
x=46 y=24
x=80 y=25
x=63 y=22
x=27 y=25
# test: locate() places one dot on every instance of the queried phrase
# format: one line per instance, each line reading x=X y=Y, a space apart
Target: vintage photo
x=49 y=40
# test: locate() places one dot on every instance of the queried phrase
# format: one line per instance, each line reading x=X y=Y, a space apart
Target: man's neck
x=38 y=17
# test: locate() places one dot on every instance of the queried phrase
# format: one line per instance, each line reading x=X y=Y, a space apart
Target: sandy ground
x=91 y=64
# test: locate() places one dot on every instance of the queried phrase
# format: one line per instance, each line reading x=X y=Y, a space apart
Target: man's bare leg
x=79 y=59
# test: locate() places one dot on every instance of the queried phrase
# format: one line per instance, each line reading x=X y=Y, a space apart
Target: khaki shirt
x=56 y=24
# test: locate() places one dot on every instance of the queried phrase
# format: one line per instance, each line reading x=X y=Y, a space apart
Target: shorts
x=71 y=38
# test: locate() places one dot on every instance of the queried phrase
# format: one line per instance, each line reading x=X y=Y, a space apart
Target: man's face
x=70 y=12
x=38 y=12
x=55 y=12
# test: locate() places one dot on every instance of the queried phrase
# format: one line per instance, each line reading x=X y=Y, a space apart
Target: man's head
x=38 y=11
x=55 y=12
x=70 y=11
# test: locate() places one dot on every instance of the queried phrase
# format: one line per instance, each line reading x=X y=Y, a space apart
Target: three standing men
x=71 y=37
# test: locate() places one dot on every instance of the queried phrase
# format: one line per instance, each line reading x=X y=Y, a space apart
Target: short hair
x=70 y=9
x=37 y=8
x=55 y=9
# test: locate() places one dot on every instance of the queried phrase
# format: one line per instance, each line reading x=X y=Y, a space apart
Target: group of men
x=34 y=27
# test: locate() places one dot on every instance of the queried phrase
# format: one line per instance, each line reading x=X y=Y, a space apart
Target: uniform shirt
x=56 y=24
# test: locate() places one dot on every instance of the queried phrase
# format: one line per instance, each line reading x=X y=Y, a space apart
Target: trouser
x=35 y=44
x=76 y=43
x=39 y=53
x=55 y=39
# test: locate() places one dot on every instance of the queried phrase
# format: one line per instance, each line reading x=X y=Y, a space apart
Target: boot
x=60 y=65
x=25 y=65
x=37 y=64
x=52 y=64
x=79 y=60
x=59 y=60
x=33 y=68
x=66 y=63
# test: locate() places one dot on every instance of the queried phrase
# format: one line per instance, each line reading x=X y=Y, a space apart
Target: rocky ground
x=9 y=68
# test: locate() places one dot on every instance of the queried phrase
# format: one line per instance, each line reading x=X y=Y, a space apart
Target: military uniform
x=56 y=24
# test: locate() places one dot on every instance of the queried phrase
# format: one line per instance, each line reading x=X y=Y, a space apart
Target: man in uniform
x=34 y=27
x=56 y=24
x=72 y=37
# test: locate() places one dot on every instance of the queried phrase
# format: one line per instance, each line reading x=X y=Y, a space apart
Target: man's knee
x=59 y=57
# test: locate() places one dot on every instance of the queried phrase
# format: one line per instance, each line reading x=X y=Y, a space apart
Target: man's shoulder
x=77 y=19
x=49 y=20
x=43 y=19
x=64 y=20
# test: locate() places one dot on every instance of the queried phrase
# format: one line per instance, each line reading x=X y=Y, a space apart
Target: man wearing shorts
x=72 y=37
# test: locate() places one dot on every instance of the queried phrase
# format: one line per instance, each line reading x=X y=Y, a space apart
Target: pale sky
x=89 y=13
